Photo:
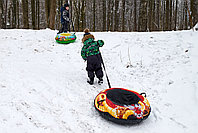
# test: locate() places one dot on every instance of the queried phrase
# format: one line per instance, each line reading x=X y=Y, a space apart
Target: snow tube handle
x=143 y=93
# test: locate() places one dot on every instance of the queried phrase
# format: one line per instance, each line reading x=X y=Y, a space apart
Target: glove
x=67 y=19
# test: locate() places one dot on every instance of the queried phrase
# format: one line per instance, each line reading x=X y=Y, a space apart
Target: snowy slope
x=43 y=85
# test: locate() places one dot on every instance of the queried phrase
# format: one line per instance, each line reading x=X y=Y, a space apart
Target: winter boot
x=90 y=81
x=100 y=81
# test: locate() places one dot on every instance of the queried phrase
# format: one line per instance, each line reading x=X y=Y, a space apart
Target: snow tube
x=65 y=38
x=122 y=106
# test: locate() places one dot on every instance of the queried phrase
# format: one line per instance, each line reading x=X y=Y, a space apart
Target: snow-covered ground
x=43 y=85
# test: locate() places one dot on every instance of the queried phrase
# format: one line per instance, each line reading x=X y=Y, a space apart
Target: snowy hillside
x=43 y=85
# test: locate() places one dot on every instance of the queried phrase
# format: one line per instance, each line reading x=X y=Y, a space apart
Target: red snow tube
x=122 y=106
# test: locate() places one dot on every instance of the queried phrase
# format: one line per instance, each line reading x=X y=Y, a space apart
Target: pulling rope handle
x=105 y=71
x=143 y=93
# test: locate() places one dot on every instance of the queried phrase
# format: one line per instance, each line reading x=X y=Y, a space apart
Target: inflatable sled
x=65 y=38
x=122 y=106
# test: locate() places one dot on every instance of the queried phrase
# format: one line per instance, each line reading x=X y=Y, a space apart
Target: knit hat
x=86 y=31
x=87 y=35
x=66 y=5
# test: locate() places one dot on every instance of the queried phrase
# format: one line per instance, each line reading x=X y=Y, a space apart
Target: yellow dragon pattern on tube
x=138 y=110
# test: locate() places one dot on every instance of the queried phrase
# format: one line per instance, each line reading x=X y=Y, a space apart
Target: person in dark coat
x=65 y=18
x=90 y=52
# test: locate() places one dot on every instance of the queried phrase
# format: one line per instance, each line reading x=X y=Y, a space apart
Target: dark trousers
x=65 y=27
x=94 y=66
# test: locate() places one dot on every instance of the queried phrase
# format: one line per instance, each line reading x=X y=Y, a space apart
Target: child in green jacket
x=90 y=52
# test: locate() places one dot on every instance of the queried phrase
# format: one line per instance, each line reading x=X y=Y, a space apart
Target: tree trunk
x=108 y=15
x=116 y=15
x=71 y=10
x=170 y=24
x=194 y=10
x=94 y=15
x=167 y=15
x=47 y=11
x=135 y=15
x=13 y=13
x=82 y=18
x=9 y=18
x=5 y=15
x=52 y=14
x=176 y=6
x=111 y=16
x=17 y=14
x=1 y=13
x=76 y=11
x=33 y=14
x=158 y=14
x=150 y=15
x=123 y=15
x=79 y=23
x=153 y=16
x=25 y=14
x=38 y=13
x=104 y=15
x=186 y=16
x=143 y=16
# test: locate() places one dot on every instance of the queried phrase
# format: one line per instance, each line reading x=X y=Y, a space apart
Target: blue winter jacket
x=64 y=14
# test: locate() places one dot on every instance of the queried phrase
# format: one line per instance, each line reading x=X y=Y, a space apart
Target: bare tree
x=14 y=13
x=185 y=16
x=94 y=15
x=150 y=20
x=176 y=7
x=47 y=11
x=5 y=14
x=171 y=15
x=194 y=10
x=167 y=15
x=116 y=15
x=142 y=24
x=135 y=15
x=17 y=14
x=104 y=14
x=52 y=14
x=158 y=14
x=101 y=15
x=33 y=14
x=123 y=15
x=38 y=13
x=1 y=13
x=82 y=18
x=25 y=14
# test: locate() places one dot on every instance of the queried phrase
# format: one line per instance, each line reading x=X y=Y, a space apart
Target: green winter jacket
x=91 y=47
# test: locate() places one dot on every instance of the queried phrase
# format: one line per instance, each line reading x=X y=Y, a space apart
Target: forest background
x=101 y=15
